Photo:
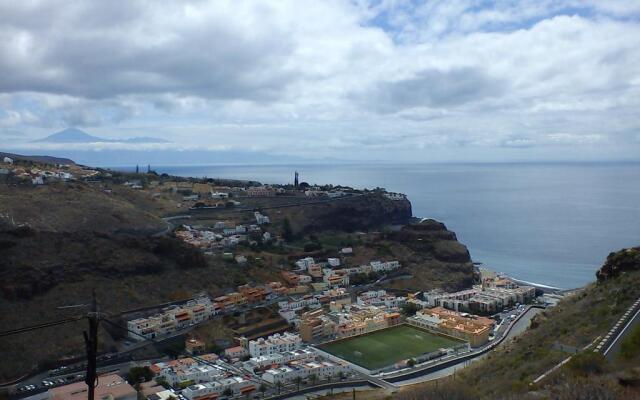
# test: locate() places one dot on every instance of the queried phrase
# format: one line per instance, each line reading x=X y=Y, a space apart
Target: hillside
x=38 y=159
x=73 y=207
x=60 y=241
x=579 y=319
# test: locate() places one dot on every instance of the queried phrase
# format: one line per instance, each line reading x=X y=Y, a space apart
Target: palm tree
x=262 y=389
x=313 y=378
x=298 y=381
x=227 y=392
x=279 y=386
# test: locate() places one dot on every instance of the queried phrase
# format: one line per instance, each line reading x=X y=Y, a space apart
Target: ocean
x=547 y=223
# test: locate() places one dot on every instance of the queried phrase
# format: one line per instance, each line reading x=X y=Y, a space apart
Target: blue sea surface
x=548 y=223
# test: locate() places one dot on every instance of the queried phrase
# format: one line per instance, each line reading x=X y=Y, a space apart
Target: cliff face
x=433 y=256
x=370 y=211
x=433 y=237
x=619 y=262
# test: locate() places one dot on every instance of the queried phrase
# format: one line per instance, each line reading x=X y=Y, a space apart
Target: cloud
x=328 y=78
x=434 y=89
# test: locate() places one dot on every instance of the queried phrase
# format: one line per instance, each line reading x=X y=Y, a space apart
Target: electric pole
x=91 y=342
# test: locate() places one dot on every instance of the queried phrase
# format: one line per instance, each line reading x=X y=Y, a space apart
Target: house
x=219 y=195
x=236 y=352
x=261 y=219
x=242 y=260
x=7 y=160
x=346 y=251
x=194 y=346
x=334 y=262
x=111 y=386
x=266 y=237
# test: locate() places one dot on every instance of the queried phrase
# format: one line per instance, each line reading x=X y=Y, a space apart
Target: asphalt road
x=613 y=349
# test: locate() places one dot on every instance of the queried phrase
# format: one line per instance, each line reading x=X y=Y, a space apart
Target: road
x=614 y=348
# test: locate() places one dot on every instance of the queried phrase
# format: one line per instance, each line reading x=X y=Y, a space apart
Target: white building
x=288 y=373
x=378 y=266
x=334 y=262
x=175 y=373
x=261 y=219
x=280 y=358
x=216 y=388
x=305 y=263
x=277 y=343
x=299 y=304
x=8 y=160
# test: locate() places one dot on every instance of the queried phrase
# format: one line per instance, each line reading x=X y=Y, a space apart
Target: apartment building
x=316 y=325
x=470 y=328
x=279 y=358
x=172 y=319
x=182 y=370
x=300 y=303
x=380 y=298
x=215 y=389
x=261 y=219
x=277 y=343
x=305 y=263
x=288 y=373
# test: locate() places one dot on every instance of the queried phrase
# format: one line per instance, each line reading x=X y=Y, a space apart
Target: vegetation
x=140 y=374
x=630 y=347
x=410 y=309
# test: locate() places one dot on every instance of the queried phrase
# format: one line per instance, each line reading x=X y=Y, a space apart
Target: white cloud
x=328 y=78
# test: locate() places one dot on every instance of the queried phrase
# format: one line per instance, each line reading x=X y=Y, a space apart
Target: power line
x=40 y=326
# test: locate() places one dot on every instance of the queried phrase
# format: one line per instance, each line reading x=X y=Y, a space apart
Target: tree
x=410 y=309
x=411 y=362
x=227 y=392
x=287 y=232
x=279 y=386
x=140 y=374
x=313 y=378
x=298 y=381
x=262 y=389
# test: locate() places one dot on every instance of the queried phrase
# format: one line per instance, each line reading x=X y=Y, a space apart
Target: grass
x=386 y=347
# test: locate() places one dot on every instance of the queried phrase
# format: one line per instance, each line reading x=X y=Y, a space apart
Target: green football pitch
x=386 y=347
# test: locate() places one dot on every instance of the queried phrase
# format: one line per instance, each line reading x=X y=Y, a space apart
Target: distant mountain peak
x=71 y=135
x=74 y=135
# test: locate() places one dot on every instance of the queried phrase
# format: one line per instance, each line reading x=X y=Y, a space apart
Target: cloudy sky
x=385 y=80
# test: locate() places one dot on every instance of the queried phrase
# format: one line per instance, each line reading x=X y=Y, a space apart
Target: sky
x=409 y=81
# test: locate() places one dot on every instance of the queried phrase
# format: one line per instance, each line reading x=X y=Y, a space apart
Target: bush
x=630 y=347
x=140 y=374
x=185 y=384
x=312 y=246
x=587 y=363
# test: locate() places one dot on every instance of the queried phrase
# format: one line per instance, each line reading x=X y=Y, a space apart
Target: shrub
x=587 y=363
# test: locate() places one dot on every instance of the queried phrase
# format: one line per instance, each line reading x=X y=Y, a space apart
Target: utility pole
x=91 y=342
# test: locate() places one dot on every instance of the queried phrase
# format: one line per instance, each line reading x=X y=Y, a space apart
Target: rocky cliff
x=619 y=262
